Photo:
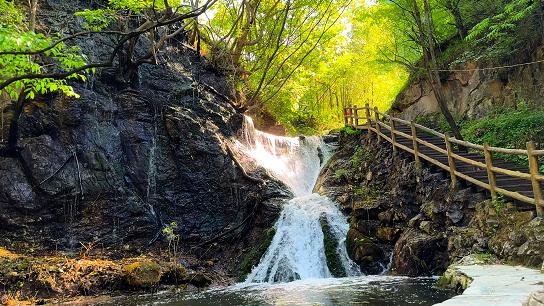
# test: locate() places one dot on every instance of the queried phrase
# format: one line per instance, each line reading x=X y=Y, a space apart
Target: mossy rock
x=331 y=246
x=174 y=274
x=254 y=255
x=388 y=234
x=454 y=279
x=361 y=248
x=142 y=274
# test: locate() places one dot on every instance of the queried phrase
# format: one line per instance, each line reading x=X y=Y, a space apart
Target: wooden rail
x=481 y=168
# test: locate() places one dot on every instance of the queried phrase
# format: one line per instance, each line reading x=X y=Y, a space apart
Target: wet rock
x=119 y=164
x=142 y=274
x=366 y=253
x=520 y=242
x=198 y=279
x=426 y=227
x=454 y=279
x=330 y=243
x=387 y=234
x=418 y=253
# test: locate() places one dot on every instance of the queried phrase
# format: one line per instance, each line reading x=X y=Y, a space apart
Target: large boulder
x=365 y=252
x=418 y=253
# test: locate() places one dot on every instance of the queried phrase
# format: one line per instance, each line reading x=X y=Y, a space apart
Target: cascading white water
x=297 y=250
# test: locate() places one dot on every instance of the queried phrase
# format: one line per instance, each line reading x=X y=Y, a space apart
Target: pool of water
x=367 y=290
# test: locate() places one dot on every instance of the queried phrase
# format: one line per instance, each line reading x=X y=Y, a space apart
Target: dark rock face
x=116 y=166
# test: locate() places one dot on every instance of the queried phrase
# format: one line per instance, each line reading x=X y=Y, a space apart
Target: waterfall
x=297 y=250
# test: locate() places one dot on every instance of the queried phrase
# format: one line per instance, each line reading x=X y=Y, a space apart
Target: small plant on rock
x=173 y=238
x=499 y=203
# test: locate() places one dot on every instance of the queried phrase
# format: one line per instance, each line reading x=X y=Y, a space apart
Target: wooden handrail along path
x=478 y=167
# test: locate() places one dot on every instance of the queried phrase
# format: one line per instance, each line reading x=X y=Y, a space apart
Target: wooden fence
x=478 y=167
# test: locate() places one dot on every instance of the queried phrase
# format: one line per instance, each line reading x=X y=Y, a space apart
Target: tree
x=509 y=31
x=454 y=7
x=262 y=43
x=33 y=63
x=422 y=35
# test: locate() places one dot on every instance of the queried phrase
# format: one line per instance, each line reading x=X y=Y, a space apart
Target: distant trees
x=263 y=42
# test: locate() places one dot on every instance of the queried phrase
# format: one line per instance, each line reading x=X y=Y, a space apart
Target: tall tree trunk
x=431 y=66
x=33 y=6
x=541 y=16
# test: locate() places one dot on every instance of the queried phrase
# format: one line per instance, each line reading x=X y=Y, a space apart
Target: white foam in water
x=297 y=249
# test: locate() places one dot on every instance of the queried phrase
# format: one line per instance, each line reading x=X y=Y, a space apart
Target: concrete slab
x=497 y=285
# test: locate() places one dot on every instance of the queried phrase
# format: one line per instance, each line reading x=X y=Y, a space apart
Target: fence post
x=490 y=174
x=368 y=118
x=415 y=145
x=393 y=135
x=356 y=115
x=533 y=168
x=378 y=129
x=346 y=116
x=451 y=161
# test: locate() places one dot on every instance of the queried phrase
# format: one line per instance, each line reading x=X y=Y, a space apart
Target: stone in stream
x=331 y=245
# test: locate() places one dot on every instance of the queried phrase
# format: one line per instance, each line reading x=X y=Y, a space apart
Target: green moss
x=143 y=274
x=360 y=157
x=367 y=195
x=485 y=258
x=331 y=246
x=341 y=173
x=499 y=204
x=254 y=255
x=349 y=131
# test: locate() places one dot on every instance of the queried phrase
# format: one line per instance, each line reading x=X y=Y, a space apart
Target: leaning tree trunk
x=429 y=58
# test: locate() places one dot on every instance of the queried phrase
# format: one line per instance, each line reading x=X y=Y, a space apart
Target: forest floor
x=29 y=280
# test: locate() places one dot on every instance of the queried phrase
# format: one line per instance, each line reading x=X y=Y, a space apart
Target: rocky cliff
x=118 y=165
x=473 y=93
x=413 y=221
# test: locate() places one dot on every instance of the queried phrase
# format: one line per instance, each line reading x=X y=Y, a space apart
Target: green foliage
x=323 y=63
x=509 y=128
x=15 y=37
x=504 y=127
x=97 y=20
x=67 y=58
x=508 y=31
x=10 y=13
x=173 y=239
x=348 y=130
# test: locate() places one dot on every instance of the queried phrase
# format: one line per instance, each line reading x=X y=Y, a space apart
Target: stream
x=294 y=269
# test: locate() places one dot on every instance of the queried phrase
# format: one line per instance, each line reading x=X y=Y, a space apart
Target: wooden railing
x=414 y=138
